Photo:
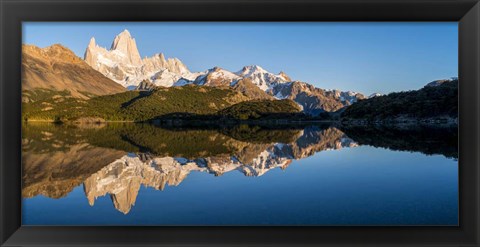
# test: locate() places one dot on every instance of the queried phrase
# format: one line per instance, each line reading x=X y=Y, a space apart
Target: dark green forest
x=138 y=106
x=428 y=102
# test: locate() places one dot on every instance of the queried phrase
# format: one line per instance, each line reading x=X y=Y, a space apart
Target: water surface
x=140 y=174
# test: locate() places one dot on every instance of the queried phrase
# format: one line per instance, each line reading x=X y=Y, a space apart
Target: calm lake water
x=140 y=174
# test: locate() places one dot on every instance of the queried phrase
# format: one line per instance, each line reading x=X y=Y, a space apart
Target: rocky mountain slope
x=315 y=100
x=58 y=68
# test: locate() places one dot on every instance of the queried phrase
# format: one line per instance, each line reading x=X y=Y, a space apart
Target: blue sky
x=363 y=57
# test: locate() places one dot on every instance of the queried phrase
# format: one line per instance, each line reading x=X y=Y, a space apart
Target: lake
x=142 y=174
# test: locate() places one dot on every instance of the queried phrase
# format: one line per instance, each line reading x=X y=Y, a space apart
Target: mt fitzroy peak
x=123 y=64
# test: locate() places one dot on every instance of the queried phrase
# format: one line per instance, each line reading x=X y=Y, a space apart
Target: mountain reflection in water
x=117 y=159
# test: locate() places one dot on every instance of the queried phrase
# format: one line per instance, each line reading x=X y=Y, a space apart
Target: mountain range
x=122 y=63
x=57 y=85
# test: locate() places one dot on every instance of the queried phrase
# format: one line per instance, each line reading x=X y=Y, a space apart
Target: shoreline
x=81 y=122
x=179 y=121
x=273 y=122
x=402 y=121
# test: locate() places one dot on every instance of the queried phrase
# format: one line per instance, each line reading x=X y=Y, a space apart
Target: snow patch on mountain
x=373 y=95
x=217 y=77
x=347 y=97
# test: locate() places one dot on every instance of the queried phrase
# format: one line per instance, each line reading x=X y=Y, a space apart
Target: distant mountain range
x=122 y=63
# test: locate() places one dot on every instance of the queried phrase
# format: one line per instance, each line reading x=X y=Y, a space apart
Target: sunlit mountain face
x=117 y=160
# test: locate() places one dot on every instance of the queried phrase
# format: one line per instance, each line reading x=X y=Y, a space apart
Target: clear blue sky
x=363 y=57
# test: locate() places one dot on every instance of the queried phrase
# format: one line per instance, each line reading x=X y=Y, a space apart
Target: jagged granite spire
x=123 y=64
x=124 y=43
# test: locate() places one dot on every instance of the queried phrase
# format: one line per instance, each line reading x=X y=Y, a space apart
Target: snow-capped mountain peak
x=123 y=63
x=284 y=76
x=261 y=77
x=373 y=95
x=251 y=69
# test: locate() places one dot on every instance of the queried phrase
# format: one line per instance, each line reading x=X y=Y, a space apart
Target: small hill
x=58 y=68
x=131 y=105
x=440 y=82
x=256 y=109
x=429 y=102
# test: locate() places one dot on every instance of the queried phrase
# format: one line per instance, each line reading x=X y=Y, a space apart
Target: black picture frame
x=14 y=12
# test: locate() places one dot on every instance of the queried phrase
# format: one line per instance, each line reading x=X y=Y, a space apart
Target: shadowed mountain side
x=417 y=138
x=315 y=100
